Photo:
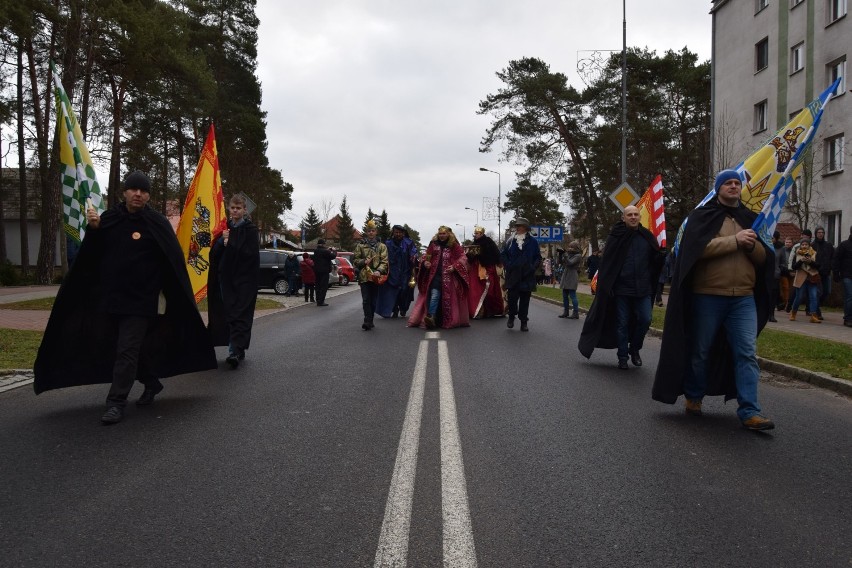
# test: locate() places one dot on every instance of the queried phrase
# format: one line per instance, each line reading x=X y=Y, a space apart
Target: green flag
x=79 y=182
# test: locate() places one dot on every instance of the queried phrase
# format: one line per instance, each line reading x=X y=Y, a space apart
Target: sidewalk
x=36 y=320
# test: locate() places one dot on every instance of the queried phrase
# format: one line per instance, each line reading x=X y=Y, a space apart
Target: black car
x=271 y=271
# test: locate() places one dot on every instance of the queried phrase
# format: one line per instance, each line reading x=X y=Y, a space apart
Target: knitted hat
x=724 y=176
x=137 y=180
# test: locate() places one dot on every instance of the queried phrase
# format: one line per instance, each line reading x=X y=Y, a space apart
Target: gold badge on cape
x=136 y=235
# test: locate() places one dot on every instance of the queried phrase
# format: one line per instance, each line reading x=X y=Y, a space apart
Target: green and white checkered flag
x=79 y=182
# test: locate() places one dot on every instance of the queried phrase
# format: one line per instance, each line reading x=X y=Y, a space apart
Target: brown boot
x=815 y=319
x=793 y=316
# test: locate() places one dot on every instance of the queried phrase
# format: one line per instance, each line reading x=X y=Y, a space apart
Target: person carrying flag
x=106 y=325
x=719 y=301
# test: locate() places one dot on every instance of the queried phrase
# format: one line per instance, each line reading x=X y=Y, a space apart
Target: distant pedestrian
x=570 y=265
x=664 y=278
x=322 y=269
x=806 y=263
x=106 y=325
x=842 y=267
x=825 y=252
x=309 y=278
x=521 y=259
x=232 y=282
x=292 y=271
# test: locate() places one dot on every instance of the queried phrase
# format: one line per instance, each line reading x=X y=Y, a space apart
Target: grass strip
x=818 y=355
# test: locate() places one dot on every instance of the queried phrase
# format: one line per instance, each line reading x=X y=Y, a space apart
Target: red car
x=345 y=270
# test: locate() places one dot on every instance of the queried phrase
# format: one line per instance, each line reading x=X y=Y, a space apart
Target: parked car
x=271 y=271
x=345 y=270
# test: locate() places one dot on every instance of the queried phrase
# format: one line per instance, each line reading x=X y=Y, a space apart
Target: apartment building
x=771 y=58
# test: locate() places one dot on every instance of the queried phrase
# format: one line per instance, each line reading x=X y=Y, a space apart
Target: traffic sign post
x=624 y=196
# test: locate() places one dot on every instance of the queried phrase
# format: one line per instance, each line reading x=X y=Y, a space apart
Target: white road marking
x=458 y=534
x=433 y=334
x=393 y=542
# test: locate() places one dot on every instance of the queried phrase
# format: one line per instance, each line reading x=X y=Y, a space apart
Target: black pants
x=322 y=286
x=309 y=292
x=369 y=294
x=519 y=304
x=129 y=360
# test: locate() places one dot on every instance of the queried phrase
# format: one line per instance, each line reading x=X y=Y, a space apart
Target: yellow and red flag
x=652 y=211
x=203 y=217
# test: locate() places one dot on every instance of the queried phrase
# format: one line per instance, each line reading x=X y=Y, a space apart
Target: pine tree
x=311 y=224
x=345 y=228
x=383 y=227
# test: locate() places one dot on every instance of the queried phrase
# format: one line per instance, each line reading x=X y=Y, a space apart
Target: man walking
x=521 y=257
x=322 y=268
x=627 y=278
x=106 y=325
x=719 y=302
x=824 y=252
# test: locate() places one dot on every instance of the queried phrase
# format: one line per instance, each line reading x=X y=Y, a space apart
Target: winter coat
x=842 y=262
x=570 y=270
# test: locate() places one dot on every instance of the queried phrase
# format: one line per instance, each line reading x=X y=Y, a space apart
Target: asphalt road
x=331 y=446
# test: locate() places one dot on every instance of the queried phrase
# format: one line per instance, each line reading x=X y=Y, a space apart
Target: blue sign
x=547 y=234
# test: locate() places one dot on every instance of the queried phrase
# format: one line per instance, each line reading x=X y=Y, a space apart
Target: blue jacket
x=519 y=265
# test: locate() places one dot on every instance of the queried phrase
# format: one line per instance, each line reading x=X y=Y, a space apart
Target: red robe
x=454 y=287
x=485 y=298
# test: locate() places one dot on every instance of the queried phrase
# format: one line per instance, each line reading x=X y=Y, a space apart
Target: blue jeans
x=847 y=300
x=434 y=301
x=811 y=292
x=572 y=296
x=738 y=315
x=631 y=340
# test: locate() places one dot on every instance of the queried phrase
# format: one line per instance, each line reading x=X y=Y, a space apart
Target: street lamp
x=475 y=211
x=499 y=198
x=464 y=231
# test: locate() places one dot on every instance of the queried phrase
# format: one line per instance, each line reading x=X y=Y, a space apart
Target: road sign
x=547 y=234
x=624 y=196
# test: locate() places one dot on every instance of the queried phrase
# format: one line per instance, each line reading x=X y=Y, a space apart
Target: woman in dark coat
x=232 y=284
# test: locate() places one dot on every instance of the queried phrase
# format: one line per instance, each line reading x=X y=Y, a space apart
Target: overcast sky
x=376 y=99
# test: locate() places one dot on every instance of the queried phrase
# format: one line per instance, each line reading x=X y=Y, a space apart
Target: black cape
x=79 y=342
x=599 y=329
x=232 y=286
x=703 y=225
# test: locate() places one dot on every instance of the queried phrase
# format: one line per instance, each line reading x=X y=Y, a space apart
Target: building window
x=760 y=5
x=794 y=3
x=797 y=58
x=832 y=227
x=836 y=10
x=760 y=114
x=834 y=154
x=761 y=54
x=837 y=70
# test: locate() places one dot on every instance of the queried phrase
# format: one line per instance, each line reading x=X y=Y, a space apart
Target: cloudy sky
x=376 y=99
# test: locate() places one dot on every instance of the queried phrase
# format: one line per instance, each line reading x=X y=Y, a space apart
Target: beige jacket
x=725 y=269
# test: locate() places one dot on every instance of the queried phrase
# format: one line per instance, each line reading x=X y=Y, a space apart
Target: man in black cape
x=719 y=301
x=232 y=282
x=628 y=273
x=105 y=326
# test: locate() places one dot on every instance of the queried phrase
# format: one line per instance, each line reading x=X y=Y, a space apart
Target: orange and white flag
x=652 y=211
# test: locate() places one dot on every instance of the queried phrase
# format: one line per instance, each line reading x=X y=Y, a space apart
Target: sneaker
x=693 y=406
x=148 y=395
x=758 y=422
x=622 y=363
x=113 y=415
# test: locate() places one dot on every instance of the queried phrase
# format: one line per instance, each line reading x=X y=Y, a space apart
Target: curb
x=821 y=380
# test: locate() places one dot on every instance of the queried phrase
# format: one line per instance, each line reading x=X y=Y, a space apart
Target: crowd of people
x=129 y=294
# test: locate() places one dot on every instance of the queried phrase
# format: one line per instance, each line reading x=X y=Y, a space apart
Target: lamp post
x=499 y=199
x=475 y=211
x=464 y=232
